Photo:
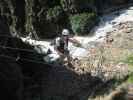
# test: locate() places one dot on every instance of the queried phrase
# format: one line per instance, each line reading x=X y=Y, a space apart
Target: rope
x=22 y=59
x=41 y=62
x=10 y=48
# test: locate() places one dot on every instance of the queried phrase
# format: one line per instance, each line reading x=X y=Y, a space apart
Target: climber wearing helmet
x=61 y=44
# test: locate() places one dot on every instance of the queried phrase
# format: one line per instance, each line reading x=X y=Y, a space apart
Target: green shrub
x=129 y=60
x=54 y=13
x=64 y=2
x=75 y=4
x=130 y=78
x=82 y=23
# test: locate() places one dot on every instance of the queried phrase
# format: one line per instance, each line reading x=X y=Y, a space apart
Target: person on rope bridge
x=61 y=45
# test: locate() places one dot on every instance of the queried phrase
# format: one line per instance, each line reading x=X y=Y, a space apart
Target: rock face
x=48 y=18
x=16 y=73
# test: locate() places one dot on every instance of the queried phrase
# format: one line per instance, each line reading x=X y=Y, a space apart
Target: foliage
x=54 y=13
x=130 y=78
x=62 y=2
x=129 y=60
x=76 y=4
x=81 y=23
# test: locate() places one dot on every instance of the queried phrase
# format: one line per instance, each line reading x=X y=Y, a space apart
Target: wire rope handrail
x=23 y=59
x=39 y=62
x=11 y=48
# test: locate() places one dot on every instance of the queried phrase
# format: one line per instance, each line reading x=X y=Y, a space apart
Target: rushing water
x=106 y=24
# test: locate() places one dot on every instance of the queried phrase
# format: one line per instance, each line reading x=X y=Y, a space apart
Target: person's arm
x=75 y=42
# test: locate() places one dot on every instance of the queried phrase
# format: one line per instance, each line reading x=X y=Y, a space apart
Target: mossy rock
x=82 y=23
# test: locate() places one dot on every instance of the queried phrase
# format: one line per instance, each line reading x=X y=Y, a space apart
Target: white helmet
x=65 y=32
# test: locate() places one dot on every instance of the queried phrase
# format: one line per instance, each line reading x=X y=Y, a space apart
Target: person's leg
x=67 y=54
x=61 y=54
